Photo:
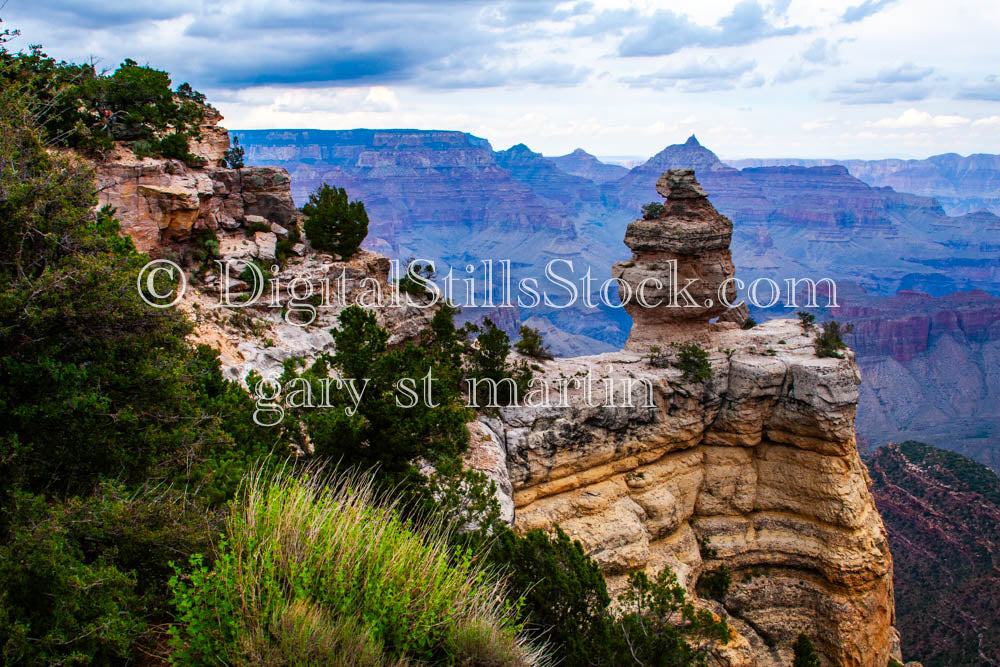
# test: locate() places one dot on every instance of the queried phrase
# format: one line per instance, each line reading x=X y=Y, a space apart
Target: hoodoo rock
x=753 y=468
x=680 y=274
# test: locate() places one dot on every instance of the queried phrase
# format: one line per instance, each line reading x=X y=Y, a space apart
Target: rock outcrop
x=160 y=202
x=681 y=265
x=754 y=468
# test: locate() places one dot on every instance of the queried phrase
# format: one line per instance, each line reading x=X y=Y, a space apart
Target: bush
x=88 y=111
x=715 y=584
x=829 y=342
x=805 y=653
x=749 y=323
x=807 y=320
x=412 y=286
x=563 y=593
x=653 y=210
x=488 y=367
x=532 y=344
x=316 y=567
x=662 y=627
x=332 y=224
x=692 y=360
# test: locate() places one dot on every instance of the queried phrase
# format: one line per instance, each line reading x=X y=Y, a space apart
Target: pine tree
x=333 y=224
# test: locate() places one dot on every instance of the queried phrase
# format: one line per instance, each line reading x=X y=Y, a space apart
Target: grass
x=320 y=569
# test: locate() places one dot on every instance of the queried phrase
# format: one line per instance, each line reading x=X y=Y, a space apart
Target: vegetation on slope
x=322 y=570
x=942 y=513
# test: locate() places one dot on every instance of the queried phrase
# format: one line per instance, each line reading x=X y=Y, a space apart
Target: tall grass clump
x=321 y=569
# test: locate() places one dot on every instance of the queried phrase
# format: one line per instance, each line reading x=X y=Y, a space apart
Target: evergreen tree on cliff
x=333 y=224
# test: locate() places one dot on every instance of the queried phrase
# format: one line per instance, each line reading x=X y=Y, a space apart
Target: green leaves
x=333 y=224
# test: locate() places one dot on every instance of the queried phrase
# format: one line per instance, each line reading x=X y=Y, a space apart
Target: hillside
x=942 y=512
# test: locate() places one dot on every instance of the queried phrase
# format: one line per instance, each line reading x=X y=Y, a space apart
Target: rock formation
x=755 y=468
x=681 y=261
x=160 y=202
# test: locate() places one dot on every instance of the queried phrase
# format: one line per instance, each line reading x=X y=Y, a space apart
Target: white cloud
x=988 y=121
x=916 y=118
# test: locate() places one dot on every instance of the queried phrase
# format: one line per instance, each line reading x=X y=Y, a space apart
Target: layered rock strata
x=754 y=468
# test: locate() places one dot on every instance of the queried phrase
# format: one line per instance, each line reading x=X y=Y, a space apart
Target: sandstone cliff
x=755 y=468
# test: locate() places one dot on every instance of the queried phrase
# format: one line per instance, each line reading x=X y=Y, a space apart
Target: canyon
x=450 y=197
x=754 y=467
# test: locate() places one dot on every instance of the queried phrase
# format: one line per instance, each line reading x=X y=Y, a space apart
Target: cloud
x=668 y=32
x=913 y=118
x=607 y=22
x=894 y=84
x=988 y=121
x=239 y=43
x=795 y=72
x=864 y=10
x=820 y=52
x=697 y=77
x=905 y=73
x=989 y=90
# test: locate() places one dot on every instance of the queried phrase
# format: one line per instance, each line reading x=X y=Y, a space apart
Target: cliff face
x=942 y=512
x=161 y=202
x=931 y=369
x=755 y=468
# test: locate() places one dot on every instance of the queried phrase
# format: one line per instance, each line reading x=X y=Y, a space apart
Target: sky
x=754 y=78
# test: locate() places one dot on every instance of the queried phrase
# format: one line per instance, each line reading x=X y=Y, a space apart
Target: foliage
x=715 y=583
x=85 y=579
x=411 y=285
x=749 y=323
x=804 y=652
x=88 y=110
x=384 y=432
x=563 y=592
x=830 y=340
x=488 y=368
x=235 y=155
x=312 y=557
x=653 y=210
x=662 y=627
x=332 y=224
x=532 y=344
x=807 y=320
x=692 y=361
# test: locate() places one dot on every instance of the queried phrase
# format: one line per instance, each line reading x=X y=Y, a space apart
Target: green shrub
x=692 y=360
x=564 y=594
x=532 y=344
x=807 y=320
x=804 y=652
x=332 y=224
x=829 y=342
x=487 y=366
x=412 y=286
x=715 y=584
x=309 y=556
x=653 y=210
x=662 y=627
x=749 y=323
